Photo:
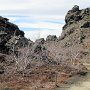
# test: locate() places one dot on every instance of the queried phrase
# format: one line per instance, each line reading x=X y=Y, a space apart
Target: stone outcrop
x=77 y=26
x=75 y=15
x=40 y=41
x=10 y=34
x=51 y=38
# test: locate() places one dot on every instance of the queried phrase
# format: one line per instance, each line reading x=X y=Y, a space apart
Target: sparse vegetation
x=44 y=65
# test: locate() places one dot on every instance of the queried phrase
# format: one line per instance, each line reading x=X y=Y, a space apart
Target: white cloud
x=33 y=35
x=41 y=25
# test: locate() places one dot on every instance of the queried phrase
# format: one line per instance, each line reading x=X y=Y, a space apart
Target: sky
x=39 y=18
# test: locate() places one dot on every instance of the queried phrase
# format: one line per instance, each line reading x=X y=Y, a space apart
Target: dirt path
x=82 y=84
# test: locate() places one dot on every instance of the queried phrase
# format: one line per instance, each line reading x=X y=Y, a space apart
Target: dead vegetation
x=45 y=65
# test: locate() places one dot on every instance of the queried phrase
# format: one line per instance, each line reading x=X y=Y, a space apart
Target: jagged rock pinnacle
x=75 y=8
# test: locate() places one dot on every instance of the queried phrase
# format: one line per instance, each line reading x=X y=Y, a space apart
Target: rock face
x=10 y=34
x=75 y=15
x=77 y=25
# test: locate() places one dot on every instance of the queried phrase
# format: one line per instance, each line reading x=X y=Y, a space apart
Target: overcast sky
x=39 y=18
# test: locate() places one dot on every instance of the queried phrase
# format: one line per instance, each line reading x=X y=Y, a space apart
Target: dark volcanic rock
x=77 y=26
x=86 y=25
x=75 y=8
x=17 y=41
x=30 y=43
x=7 y=32
x=2 y=58
x=76 y=15
x=37 y=48
x=40 y=41
x=51 y=38
x=1 y=70
x=72 y=16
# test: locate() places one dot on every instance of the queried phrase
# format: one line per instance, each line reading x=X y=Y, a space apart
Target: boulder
x=40 y=41
x=51 y=38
